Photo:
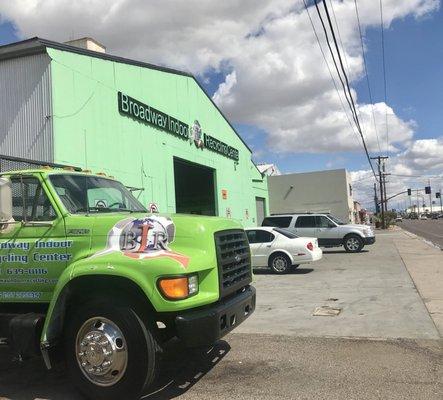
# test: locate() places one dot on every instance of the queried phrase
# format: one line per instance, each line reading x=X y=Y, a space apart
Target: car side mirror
x=5 y=202
x=331 y=225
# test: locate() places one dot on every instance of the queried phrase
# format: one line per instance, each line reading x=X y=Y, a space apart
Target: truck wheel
x=353 y=243
x=280 y=263
x=110 y=352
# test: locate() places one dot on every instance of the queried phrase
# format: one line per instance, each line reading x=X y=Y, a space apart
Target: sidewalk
x=424 y=263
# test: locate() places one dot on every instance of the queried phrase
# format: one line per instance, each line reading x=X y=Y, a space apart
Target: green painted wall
x=90 y=132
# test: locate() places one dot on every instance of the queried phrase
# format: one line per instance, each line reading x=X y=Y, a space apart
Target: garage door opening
x=194 y=188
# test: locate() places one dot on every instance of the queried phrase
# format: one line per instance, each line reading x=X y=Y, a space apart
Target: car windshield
x=338 y=221
x=86 y=194
x=286 y=233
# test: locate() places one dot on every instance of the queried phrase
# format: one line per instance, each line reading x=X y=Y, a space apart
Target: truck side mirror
x=5 y=201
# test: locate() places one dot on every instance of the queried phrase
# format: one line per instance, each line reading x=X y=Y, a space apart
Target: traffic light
x=427 y=189
x=437 y=195
x=409 y=192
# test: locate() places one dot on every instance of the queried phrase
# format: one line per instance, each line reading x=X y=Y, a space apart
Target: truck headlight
x=368 y=232
x=193 y=284
x=178 y=287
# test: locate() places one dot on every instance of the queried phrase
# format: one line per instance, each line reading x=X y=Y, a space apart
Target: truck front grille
x=234 y=260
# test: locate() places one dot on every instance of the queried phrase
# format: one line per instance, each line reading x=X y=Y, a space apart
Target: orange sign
x=224 y=194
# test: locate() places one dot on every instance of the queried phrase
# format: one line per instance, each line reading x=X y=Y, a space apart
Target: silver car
x=329 y=230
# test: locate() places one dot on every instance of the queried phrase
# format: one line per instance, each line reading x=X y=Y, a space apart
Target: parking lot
x=384 y=343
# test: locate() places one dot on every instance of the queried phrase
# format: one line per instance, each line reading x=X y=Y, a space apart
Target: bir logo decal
x=144 y=238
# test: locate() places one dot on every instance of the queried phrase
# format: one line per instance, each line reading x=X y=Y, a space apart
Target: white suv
x=329 y=230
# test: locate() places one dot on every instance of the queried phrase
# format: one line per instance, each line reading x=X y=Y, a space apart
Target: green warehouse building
x=151 y=127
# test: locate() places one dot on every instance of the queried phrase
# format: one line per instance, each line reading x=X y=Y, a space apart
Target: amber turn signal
x=174 y=288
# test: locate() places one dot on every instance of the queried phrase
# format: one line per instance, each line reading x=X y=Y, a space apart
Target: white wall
x=322 y=191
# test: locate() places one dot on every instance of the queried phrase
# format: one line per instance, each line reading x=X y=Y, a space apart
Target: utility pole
x=376 y=198
x=381 y=181
x=384 y=184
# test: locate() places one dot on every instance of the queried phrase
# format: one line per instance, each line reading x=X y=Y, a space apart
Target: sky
x=264 y=68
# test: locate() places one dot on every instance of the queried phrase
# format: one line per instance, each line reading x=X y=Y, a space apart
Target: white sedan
x=279 y=249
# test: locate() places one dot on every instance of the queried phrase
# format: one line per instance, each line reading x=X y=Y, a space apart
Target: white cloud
x=413 y=168
x=276 y=76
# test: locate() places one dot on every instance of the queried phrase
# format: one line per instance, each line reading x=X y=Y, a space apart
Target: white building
x=268 y=169
x=319 y=191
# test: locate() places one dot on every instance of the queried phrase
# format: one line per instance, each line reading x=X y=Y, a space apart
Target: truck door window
x=305 y=222
x=323 y=222
x=252 y=236
x=29 y=200
x=279 y=222
x=264 y=236
x=259 y=236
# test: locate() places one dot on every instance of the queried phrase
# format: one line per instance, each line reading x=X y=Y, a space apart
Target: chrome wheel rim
x=101 y=351
x=352 y=244
x=279 y=264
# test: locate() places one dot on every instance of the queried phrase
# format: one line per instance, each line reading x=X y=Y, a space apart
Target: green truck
x=90 y=278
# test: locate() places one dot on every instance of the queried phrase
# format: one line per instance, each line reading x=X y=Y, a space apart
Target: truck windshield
x=338 y=221
x=85 y=194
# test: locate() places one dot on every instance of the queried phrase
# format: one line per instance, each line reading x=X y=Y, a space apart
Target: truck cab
x=87 y=272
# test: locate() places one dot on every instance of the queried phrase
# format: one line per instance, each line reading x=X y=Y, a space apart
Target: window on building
x=29 y=200
x=307 y=221
x=259 y=236
x=279 y=222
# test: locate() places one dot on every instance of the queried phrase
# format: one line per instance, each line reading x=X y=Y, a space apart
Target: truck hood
x=355 y=226
x=185 y=239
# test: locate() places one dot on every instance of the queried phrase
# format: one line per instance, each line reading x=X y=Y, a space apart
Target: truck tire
x=353 y=243
x=280 y=263
x=110 y=353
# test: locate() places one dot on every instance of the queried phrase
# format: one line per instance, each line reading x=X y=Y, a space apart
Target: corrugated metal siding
x=25 y=108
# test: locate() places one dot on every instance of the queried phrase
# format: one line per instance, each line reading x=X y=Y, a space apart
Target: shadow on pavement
x=297 y=271
x=181 y=369
x=341 y=251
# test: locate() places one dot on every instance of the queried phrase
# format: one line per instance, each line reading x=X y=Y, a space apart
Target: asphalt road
x=252 y=366
x=431 y=229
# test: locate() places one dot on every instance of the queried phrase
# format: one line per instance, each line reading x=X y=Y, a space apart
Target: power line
x=339 y=35
x=384 y=75
x=367 y=75
x=330 y=73
x=345 y=76
x=354 y=117
x=352 y=105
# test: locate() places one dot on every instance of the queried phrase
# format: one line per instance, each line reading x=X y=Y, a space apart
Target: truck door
x=260 y=242
x=33 y=250
x=325 y=231
x=305 y=226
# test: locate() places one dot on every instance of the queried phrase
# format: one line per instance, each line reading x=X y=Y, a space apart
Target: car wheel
x=353 y=243
x=109 y=351
x=280 y=263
